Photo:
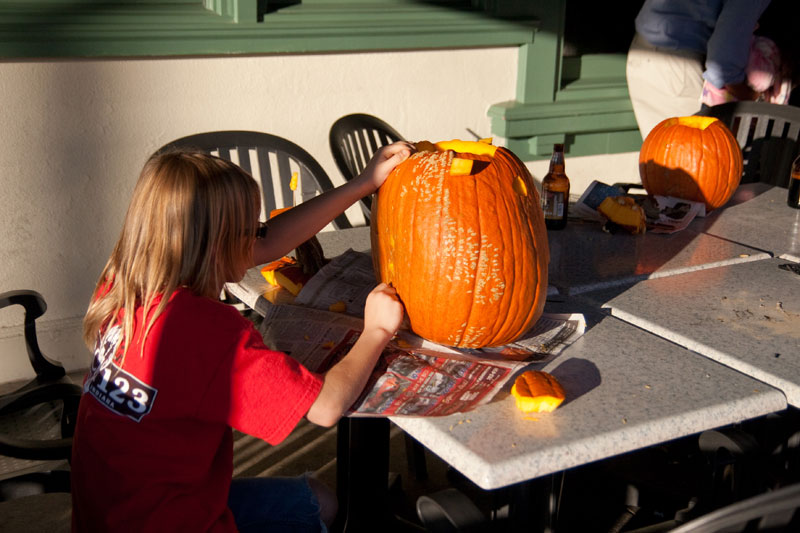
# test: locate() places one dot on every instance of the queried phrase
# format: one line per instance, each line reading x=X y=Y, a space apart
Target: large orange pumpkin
x=458 y=230
x=695 y=158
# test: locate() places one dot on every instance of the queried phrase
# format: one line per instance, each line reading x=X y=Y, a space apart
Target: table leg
x=533 y=505
x=362 y=473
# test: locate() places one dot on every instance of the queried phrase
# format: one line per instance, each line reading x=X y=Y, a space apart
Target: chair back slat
x=265 y=183
x=271 y=160
x=768 y=134
x=353 y=140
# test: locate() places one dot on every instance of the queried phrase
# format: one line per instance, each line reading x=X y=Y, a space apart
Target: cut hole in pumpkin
x=467 y=167
x=466 y=147
x=520 y=187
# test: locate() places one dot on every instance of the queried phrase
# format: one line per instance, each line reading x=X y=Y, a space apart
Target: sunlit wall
x=75 y=134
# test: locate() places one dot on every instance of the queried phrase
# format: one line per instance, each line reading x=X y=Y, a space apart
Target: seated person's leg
x=298 y=504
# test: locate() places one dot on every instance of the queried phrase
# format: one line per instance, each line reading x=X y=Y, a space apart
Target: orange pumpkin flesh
x=467 y=254
x=694 y=158
x=537 y=392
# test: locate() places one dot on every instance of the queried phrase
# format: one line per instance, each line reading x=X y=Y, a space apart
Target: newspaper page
x=346 y=279
x=548 y=337
x=592 y=197
x=415 y=377
x=404 y=383
x=664 y=214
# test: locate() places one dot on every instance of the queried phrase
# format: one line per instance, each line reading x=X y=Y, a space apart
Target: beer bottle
x=794 y=185
x=555 y=191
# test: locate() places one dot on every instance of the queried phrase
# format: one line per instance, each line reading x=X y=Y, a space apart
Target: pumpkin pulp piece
x=536 y=391
x=625 y=212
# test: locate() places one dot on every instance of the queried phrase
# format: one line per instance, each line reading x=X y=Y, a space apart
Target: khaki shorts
x=662 y=83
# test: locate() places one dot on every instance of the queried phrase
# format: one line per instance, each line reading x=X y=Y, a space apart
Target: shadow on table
x=578 y=377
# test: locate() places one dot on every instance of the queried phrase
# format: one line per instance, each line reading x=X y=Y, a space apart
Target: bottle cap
x=558 y=147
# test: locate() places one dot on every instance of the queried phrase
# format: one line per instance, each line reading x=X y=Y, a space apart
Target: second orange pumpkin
x=694 y=158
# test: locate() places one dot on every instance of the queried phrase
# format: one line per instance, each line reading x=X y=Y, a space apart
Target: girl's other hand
x=383 y=162
x=383 y=310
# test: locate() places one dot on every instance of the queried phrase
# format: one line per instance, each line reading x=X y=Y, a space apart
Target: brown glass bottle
x=794 y=185
x=555 y=191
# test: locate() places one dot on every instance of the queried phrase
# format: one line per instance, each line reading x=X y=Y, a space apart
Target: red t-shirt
x=153 y=446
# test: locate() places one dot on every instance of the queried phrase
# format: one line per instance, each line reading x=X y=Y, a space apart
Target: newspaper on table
x=592 y=197
x=664 y=214
x=414 y=377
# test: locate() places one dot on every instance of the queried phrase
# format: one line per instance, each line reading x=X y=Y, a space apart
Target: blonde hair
x=191 y=223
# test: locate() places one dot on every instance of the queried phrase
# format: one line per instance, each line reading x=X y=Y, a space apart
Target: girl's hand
x=383 y=310
x=383 y=162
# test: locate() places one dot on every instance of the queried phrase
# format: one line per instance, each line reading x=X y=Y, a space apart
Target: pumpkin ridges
x=425 y=189
x=520 y=242
x=513 y=206
x=493 y=256
x=462 y=200
x=471 y=311
x=435 y=307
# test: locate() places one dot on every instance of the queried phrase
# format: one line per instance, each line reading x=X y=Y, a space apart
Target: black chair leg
x=34 y=483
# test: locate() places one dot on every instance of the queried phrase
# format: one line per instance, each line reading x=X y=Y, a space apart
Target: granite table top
x=584 y=258
x=756 y=216
x=746 y=316
x=626 y=389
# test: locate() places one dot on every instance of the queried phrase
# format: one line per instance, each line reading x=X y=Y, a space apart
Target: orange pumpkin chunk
x=461 y=167
x=537 y=392
x=625 y=212
x=268 y=270
x=338 y=307
x=292 y=278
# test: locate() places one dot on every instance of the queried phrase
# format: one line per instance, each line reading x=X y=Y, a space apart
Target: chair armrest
x=36 y=450
x=35 y=393
x=32 y=301
x=42 y=449
x=35 y=306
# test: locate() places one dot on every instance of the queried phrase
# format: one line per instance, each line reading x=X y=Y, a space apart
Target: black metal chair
x=768 y=134
x=37 y=420
x=353 y=139
x=771 y=511
x=271 y=160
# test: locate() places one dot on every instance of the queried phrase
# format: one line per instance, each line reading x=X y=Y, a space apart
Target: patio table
x=745 y=316
x=756 y=216
x=626 y=388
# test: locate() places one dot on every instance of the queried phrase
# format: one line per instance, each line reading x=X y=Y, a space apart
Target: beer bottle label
x=553 y=204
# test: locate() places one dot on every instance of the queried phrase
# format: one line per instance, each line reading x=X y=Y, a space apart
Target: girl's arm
x=344 y=382
x=295 y=226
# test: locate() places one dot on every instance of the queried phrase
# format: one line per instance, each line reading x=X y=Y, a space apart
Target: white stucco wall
x=76 y=133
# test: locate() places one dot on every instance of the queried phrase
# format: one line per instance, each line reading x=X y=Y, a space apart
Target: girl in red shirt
x=174 y=369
